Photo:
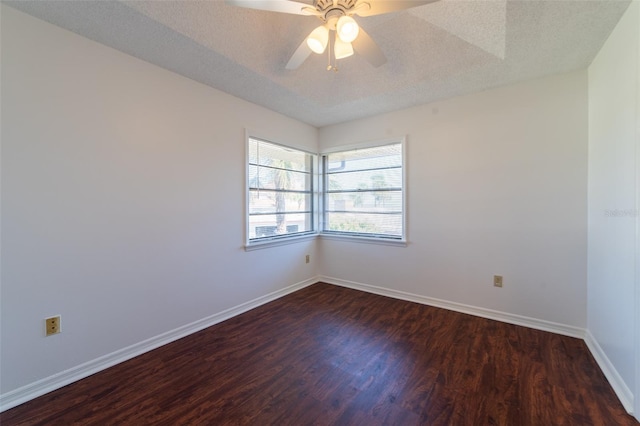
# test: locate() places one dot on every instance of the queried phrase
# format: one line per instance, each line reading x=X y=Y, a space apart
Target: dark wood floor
x=332 y=356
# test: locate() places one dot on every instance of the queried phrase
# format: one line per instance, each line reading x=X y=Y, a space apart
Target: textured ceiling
x=435 y=51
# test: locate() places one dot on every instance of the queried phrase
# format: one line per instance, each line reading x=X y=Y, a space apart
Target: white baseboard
x=51 y=383
x=535 y=323
x=33 y=390
x=615 y=380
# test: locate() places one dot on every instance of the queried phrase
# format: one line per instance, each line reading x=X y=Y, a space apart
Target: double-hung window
x=363 y=192
x=280 y=192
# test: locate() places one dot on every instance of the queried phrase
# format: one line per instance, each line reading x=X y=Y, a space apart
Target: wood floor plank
x=327 y=355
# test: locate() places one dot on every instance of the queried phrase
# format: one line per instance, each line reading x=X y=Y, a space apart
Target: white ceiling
x=435 y=51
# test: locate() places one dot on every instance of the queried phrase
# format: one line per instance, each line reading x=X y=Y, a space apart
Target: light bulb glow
x=341 y=49
x=347 y=29
x=318 y=39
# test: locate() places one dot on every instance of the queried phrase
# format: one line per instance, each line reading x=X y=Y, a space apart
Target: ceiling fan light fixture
x=342 y=49
x=318 y=39
x=347 y=29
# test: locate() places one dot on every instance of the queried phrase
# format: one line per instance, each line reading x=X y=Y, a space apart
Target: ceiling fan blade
x=282 y=6
x=299 y=56
x=368 y=48
x=378 y=7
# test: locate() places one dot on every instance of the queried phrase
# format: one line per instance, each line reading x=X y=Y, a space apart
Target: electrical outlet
x=307 y=259
x=497 y=280
x=52 y=325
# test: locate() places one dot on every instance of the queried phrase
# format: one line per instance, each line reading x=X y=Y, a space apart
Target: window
x=364 y=192
x=280 y=192
x=361 y=194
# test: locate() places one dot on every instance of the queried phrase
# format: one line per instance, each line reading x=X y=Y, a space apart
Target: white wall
x=122 y=201
x=614 y=144
x=496 y=185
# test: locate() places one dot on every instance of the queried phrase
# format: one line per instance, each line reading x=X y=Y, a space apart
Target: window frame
x=318 y=211
x=373 y=238
x=252 y=244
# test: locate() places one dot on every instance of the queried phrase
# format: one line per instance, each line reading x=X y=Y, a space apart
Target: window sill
x=346 y=238
x=278 y=242
x=366 y=240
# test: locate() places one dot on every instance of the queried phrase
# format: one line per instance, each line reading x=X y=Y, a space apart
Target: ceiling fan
x=336 y=17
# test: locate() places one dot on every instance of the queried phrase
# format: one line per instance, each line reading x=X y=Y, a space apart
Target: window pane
x=266 y=201
x=268 y=154
x=268 y=178
x=358 y=223
x=369 y=201
x=281 y=224
x=367 y=158
x=363 y=180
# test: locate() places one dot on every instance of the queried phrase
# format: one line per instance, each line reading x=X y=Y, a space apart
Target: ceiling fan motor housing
x=326 y=5
x=331 y=10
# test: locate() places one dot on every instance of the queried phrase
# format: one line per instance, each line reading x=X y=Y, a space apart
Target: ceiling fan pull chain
x=329 y=65
x=329 y=54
